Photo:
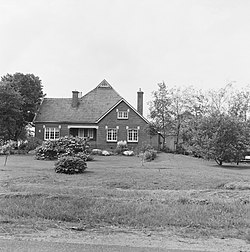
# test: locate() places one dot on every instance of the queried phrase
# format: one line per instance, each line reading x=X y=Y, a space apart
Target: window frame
x=113 y=133
x=51 y=131
x=86 y=133
x=134 y=132
x=121 y=114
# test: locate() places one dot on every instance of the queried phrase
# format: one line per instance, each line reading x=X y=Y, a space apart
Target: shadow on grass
x=232 y=166
x=88 y=172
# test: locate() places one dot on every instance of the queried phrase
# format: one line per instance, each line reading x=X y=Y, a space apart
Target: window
x=122 y=115
x=51 y=133
x=111 y=135
x=86 y=133
x=132 y=135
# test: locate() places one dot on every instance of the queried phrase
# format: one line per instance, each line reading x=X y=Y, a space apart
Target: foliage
x=66 y=146
x=31 y=143
x=148 y=152
x=70 y=165
x=160 y=112
x=222 y=138
x=20 y=95
x=152 y=129
x=11 y=120
x=30 y=88
x=7 y=147
x=212 y=124
x=150 y=155
x=121 y=147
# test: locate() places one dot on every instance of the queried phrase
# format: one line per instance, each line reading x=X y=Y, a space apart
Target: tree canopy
x=211 y=124
x=20 y=96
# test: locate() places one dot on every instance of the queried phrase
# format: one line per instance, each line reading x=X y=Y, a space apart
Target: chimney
x=140 y=102
x=75 y=99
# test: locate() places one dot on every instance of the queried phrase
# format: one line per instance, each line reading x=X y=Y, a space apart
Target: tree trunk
x=219 y=162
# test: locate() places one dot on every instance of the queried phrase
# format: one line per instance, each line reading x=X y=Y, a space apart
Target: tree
x=239 y=104
x=160 y=109
x=30 y=88
x=11 y=119
x=20 y=96
x=222 y=137
x=181 y=111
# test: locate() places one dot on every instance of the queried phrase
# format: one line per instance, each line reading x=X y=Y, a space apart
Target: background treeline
x=211 y=124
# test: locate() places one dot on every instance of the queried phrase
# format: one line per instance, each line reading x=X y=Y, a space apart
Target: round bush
x=63 y=146
x=70 y=165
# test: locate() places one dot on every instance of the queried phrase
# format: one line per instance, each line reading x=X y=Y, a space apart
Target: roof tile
x=91 y=106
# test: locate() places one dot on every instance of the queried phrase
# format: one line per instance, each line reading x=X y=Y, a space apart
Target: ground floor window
x=86 y=133
x=51 y=133
x=132 y=135
x=111 y=135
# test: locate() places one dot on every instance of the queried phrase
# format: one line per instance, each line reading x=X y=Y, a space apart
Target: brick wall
x=39 y=129
x=111 y=121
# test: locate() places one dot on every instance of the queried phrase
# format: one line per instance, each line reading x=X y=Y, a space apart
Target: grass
x=171 y=192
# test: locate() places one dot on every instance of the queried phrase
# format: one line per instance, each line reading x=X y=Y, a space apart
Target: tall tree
x=160 y=109
x=181 y=110
x=24 y=92
x=11 y=119
x=29 y=87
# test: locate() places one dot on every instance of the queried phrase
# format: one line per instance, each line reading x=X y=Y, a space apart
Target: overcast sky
x=75 y=44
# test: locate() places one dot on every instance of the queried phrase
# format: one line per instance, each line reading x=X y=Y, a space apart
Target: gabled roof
x=130 y=106
x=90 y=108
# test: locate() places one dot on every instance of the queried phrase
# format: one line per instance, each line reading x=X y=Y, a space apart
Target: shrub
x=70 y=165
x=30 y=144
x=7 y=147
x=121 y=147
x=48 y=151
x=65 y=146
x=148 y=152
x=150 y=155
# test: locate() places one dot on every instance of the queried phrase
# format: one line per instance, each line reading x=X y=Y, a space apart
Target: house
x=102 y=116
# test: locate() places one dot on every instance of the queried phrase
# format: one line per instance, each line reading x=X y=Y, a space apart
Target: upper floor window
x=51 y=133
x=111 y=135
x=122 y=114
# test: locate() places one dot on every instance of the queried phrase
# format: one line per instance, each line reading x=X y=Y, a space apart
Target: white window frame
x=113 y=133
x=51 y=133
x=134 y=133
x=122 y=114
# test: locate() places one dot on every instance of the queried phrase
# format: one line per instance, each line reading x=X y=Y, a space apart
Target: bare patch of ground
x=124 y=237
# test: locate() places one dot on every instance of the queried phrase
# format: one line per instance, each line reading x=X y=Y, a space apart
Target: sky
x=75 y=44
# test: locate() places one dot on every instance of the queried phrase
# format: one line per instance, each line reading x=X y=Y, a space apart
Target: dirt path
x=132 y=238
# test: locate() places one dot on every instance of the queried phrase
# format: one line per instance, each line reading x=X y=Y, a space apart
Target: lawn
x=191 y=196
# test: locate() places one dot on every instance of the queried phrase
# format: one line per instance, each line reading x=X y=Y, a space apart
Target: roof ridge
x=98 y=86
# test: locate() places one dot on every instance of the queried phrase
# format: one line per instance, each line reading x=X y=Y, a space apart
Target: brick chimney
x=75 y=99
x=140 y=102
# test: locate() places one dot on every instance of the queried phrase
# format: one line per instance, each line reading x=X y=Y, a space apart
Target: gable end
x=130 y=106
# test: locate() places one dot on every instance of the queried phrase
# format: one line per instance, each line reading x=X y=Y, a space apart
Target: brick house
x=101 y=115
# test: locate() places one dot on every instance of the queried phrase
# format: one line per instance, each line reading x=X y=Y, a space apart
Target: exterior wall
x=170 y=142
x=64 y=131
x=111 y=121
x=39 y=129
